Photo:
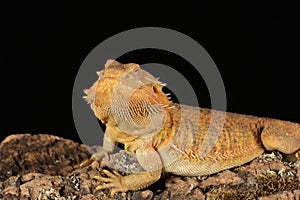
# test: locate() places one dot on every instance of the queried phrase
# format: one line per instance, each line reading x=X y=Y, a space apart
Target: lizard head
x=128 y=96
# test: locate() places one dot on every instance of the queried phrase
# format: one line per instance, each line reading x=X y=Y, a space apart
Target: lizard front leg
x=148 y=159
x=120 y=183
x=108 y=147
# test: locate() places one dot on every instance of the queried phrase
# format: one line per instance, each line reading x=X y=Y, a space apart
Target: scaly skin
x=172 y=137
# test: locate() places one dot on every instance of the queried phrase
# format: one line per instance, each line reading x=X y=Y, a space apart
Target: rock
x=41 y=153
x=286 y=195
x=47 y=167
x=223 y=178
x=147 y=195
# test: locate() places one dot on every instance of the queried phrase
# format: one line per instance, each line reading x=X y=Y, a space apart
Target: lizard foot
x=114 y=181
x=96 y=156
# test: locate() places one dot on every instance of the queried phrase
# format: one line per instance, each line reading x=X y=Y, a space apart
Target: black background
x=43 y=46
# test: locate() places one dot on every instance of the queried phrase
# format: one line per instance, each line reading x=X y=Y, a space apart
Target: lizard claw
x=96 y=156
x=112 y=181
x=86 y=163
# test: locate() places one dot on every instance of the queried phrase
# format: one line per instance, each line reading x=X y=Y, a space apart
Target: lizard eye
x=155 y=90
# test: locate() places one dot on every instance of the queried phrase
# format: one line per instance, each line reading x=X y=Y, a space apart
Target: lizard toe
x=95 y=157
x=297 y=155
x=113 y=181
x=86 y=163
x=103 y=186
x=116 y=190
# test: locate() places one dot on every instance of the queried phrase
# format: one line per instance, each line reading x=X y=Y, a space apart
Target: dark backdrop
x=43 y=45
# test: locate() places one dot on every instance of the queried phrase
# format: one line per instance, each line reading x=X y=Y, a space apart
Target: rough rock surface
x=47 y=167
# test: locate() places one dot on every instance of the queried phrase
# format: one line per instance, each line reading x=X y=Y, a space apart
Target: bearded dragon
x=175 y=138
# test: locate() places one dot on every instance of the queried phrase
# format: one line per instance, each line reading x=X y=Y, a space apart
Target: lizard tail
x=281 y=135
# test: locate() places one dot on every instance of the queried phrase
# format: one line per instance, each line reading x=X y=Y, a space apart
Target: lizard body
x=171 y=137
